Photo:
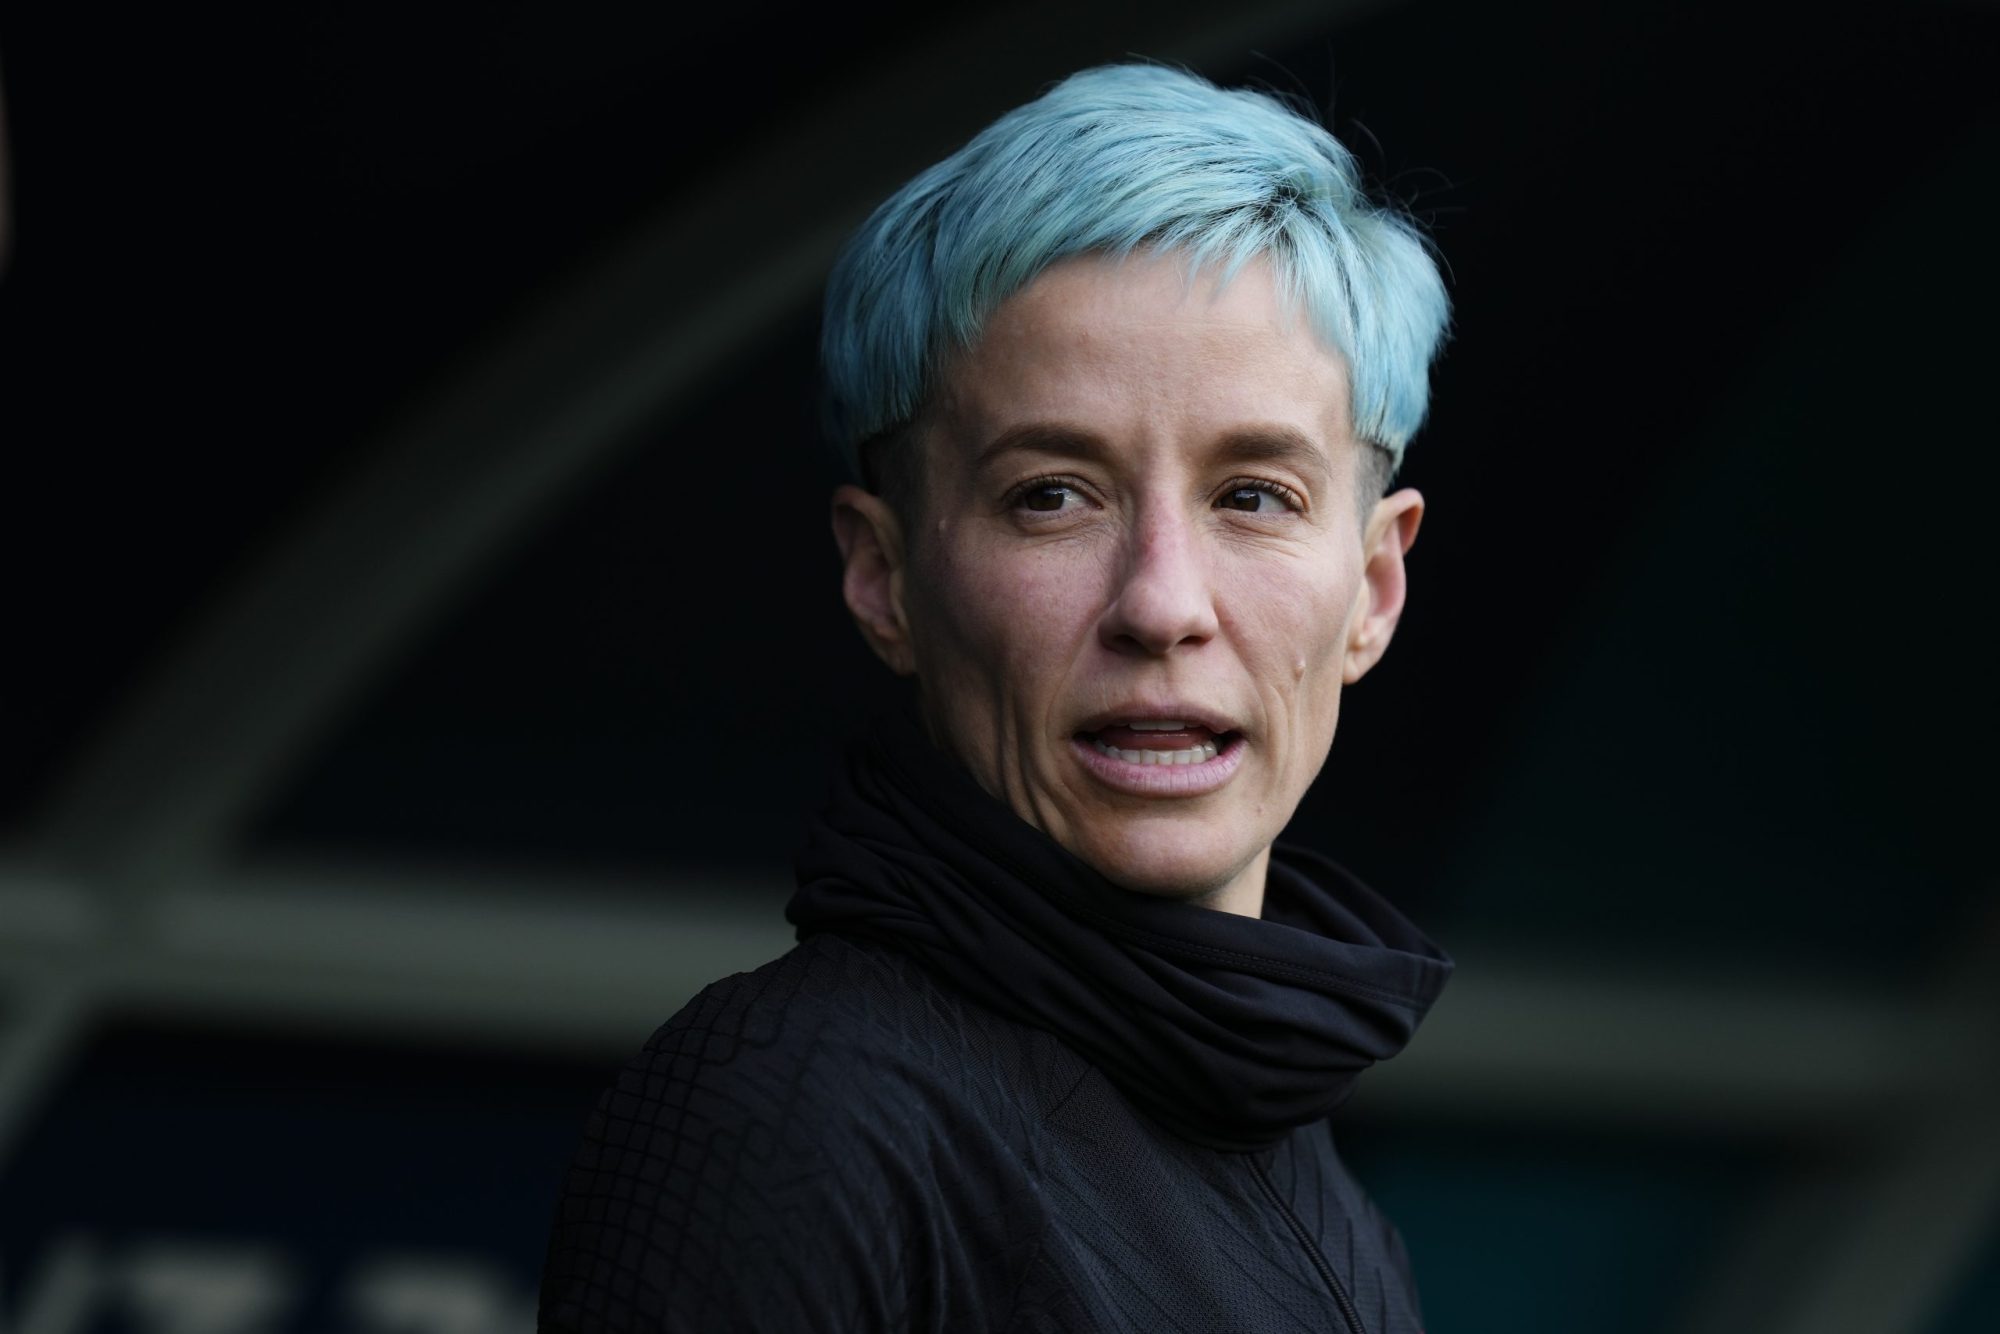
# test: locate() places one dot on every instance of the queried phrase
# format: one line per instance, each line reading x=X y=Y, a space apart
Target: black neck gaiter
x=1230 y=1030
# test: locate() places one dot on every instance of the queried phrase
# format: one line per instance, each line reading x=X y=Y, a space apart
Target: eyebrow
x=1043 y=438
x=1254 y=444
x=1276 y=444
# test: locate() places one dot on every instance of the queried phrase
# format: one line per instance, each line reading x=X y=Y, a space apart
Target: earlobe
x=1391 y=531
x=871 y=552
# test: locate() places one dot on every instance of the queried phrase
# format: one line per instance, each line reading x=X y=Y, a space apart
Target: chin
x=1158 y=857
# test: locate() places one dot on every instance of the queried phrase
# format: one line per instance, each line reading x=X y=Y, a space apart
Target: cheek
x=1295 y=623
x=1010 y=618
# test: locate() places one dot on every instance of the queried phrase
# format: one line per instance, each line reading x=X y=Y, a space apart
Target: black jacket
x=991 y=1091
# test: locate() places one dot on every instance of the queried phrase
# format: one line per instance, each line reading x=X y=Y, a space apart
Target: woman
x=1127 y=377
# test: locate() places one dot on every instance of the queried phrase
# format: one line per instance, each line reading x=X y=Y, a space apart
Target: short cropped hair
x=1109 y=161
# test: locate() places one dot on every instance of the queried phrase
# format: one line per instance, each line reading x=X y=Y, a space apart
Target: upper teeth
x=1157 y=727
x=1200 y=754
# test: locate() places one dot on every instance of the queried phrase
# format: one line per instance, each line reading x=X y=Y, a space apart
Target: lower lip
x=1162 y=780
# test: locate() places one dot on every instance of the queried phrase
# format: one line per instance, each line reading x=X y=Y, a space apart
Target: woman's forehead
x=1135 y=348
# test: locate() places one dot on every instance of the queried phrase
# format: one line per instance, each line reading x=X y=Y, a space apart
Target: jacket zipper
x=1340 y=1297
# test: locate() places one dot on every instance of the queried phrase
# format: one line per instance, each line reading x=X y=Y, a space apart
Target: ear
x=1378 y=603
x=871 y=552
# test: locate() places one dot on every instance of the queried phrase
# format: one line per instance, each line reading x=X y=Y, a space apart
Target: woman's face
x=1139 y=574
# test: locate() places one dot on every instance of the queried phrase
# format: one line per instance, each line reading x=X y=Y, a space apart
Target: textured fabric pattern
x=843 y=1140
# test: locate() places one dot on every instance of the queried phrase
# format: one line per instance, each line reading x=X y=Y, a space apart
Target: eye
x=1258 y=497
x=1044 y=495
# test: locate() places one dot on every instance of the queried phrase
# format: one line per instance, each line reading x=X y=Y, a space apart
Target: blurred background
x=422 y=637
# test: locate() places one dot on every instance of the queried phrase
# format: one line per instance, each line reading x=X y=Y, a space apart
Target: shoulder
x=827 y=988
x=864 y=1034
x=763 y=1156
x=836 y=1024
x=801 y=1058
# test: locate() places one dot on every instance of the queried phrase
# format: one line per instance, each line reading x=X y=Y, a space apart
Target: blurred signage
x=273 y=1183
x=83 y=1283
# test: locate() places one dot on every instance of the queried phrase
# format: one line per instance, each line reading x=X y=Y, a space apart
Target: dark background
x=423 y=635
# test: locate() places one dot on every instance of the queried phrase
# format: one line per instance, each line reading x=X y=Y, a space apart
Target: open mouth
x=1169 y=742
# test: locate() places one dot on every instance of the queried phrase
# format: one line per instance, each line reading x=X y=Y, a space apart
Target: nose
x=1163 y=598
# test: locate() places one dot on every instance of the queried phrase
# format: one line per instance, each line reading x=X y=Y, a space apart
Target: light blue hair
x=1108 y=161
